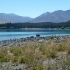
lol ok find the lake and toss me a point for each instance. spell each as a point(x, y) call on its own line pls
point(23, 33)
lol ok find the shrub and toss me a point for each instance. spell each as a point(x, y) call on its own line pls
point(16, 51)
point(69, 50)
point(5, 59)
point(68, 61)
point(2, 55)
point(21, 59)
point(38, 67)
point(51, 54)
point(15, 59)
point(61, 47)
point(26, 59)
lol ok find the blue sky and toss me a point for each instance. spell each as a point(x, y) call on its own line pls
point(33, 8)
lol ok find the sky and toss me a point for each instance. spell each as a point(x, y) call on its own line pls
point(32, 8)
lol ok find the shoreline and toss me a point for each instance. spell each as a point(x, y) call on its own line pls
point(37, 29)
point(21, 41)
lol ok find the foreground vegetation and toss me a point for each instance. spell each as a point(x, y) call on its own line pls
point(52, 54)
point(10, 25)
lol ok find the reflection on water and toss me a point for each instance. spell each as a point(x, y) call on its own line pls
point(11, 34)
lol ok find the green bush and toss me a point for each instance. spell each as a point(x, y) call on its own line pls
point(16, 51)
point(68, 61)
point(38, 67)
point(5, 59)
point(21, 59)
point(61, 47)
point(15, 59)
point(2, 55)
point(51, 54)
point(69, 50)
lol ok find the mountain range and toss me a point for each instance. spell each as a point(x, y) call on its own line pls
point(56, 16)
point(13, 18)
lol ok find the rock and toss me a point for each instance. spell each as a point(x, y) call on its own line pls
point(37, 35)
point(32, 37)
point(17, 68)
point(3, 65)
point(40, 41)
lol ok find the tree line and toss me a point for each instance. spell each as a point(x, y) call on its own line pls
point(10, 25)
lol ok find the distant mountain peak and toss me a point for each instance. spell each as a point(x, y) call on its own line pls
point(56, 16)
point(46, 13)
point(58, 11)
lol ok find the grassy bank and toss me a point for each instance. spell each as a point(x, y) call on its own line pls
point(50, 54)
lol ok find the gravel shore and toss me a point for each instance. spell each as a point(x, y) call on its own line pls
point(21, 41)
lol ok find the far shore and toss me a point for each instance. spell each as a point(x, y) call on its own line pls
point(35, 29)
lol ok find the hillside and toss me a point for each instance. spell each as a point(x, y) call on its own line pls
point(13, 18)
point(56, 16)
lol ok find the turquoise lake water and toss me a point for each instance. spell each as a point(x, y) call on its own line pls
point(19, 33)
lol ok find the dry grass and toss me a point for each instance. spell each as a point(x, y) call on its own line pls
point(33, 54)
